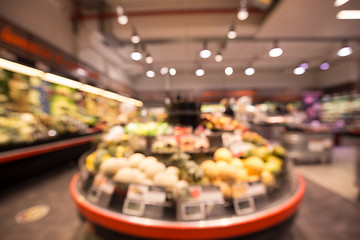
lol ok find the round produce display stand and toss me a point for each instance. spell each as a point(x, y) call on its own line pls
point(228, 227)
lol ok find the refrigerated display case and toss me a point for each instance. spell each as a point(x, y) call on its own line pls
point(199, 210)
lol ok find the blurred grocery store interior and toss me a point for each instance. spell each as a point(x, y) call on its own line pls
point(180, 119)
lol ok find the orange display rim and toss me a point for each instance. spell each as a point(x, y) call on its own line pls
point(157, 229)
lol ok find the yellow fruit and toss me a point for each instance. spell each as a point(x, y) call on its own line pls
point(267, 178)
point(226, 171)
point(89, 162)
point(241, 175)
point(236, 163)
point(223, 154)
point(254, 163)
point(210, 169)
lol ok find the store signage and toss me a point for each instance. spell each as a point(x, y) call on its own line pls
point(24, 43)
point(101, 191)
point(247, 195)
point(139, 197)
point(195, 202)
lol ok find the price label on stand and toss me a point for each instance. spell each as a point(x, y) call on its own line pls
point(139, 196)
point(193, 201)
point(101, 190)
point(256, 189)
point(244, 195)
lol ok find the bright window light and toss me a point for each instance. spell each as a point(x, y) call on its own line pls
point(299, 71)
point(339, 3)
point(249, 71)
point(348, 14)
point(164, 70)
point(150, 74)
point(275, 52)
point(172, 71)
point(123, 19)
point(136, 56)
point(229, 71)
point(345, 51)
point(200, 72)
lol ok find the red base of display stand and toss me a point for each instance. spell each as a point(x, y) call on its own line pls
point(206, 229)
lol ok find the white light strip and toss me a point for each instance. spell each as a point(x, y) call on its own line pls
point(49, 77)
point(19, 68)
point(91, 89)
point(348, 14)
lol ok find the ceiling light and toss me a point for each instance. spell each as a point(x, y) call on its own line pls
point(249, 71)
point(123, 19)
point(348, 14)
point(229, 71)
point(276, 51)
point(243, 13)
point(304, 65)
point(205, 53)
point(324, 66)
point(81, 72)
point(218, 57)
point(232, 33)
point(299, 71)
point(199, 72)
point(345, 50)
point(149, 59)
point(120, 10)
point(150, 73)
point(172, 71)
point(338, 3)
point(135, 38)
point(164, 70)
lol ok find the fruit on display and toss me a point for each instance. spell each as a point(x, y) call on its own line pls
point(261, 163)
point(254, 138)
point(164, 144)
point(224, 123)
point(147, 129)
point(223, 154)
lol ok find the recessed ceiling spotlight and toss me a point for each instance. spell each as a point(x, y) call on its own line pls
point(149, 59)
point(243, 13)
point(299, 71)
point(205, 53)
point(135, 38)
point(348, 14)
point(136, 55)
point(304, 65)
point(249, 71)
point(172, 71)
point(218, 57)
point(123, 19)
point(199, 72)
point(229, 71)
point(232, 33)
point(276, 51)
point(164, 70)
point(150, 73)
point(346, 50)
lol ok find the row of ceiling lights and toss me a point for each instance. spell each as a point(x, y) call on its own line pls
point(242, 15)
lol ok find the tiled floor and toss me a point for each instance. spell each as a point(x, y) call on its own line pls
point(325, 213)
